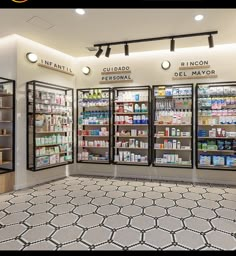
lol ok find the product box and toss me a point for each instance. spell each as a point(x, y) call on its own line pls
point(218, 160)
point(187, 134)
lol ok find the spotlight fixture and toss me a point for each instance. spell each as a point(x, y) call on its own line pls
point(86, 70)
point(126, 50)
point(172, 45)
point(171, 38)
point(80, 11)
point(107, 54)
point(99, 52)
point(32, 57)
point(199, 17)
point(210, 41)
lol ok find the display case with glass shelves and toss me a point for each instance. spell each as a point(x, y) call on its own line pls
point(7, 125)
point(94, 125)
point(216, 125)
point(50, 138)
point(131, 125)
point(173, 125)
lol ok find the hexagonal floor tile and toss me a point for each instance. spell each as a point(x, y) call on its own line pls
point(21, 199)
point(107, 247)
point(37, 233)
point(75, 246)
point(85, 209)
point(103, 182)
point(212, 196)
point(59, 193)
point(62, 208)
point(131, 210)
point(92, 188)
point(42, 187)
point(81, 200)
point(4, 205)
point(18, 207)
point(122, 201)
point(14, 218)
point(60, 200)
point(11, 232)
point(77, 193)
point(126, 188)
point(5, 197)
point(192, 196)
point(23, 192)
point(64, 219)
point(42, 192)
point(41, 199)
point(95, 194)
point(116, 221)
point(108, 188)
point(208, 204)
point(224, 225)
point(115, 194)
point(108, 210)
point(197, 190)
point(168, 184)
point(136, 183)
point(40, 208)
point(186, 203)
point(179, 212)
point(41, 246)
point(175, 248)
point(231, 190)
point(152, 194)
point(143, 202)
point(221, 240)
point(172, 195)
point(103, 200)
point(90, 220)
point(155, 211)
point(215, 190)
point(197, 224)
point(39, 219)
point(164, 202)
point(73, 182)
point(170, 223)
point(161, 189)
point(67, 234)
point(97, 235)
point(88, 182)
point(134, 194)
point(179, 190)
point(158, 238)
point(127, 237)
point(203, 213)
point(141, 247)
point(119, 183)
point(228, 204)
point(58, 187)
point(189, 239)
point(226, 213)
point(75, 187)
point(13, 245)
point(2, 214)
point(230, 197)
point(143, 222)
point(143, 189)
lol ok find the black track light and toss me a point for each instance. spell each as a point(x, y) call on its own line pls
point(172, 45)
point(210, 41)
point(99, 52)
point(107, 54)
point(126, 50)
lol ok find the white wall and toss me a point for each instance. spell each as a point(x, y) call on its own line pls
point(146, 70)
point(27, 71)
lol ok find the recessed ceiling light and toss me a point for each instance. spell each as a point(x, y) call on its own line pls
point(199, 17)
point(32, 57)
point(80, 11)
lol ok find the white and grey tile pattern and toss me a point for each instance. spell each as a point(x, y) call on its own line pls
point(94, 213)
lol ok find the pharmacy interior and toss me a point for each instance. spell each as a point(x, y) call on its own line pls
point(129, 117)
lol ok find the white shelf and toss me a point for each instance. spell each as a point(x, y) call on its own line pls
point(94, 161)
point(52, 145)
point(131, 163)
point(172, 149)
point(225, 138)
point(42, 132)
point(223, 151)
point(131, 113)
point(217, 166)
point(94, 124)
point(131, 124)
point(91, 147)
point(174, 137)
point(59, 153)
point(172, 124)
point(1, 149)
point(93, 135)
point(125, 136)
point(130, 148)
point(132, 101)
point(216, 124)
point(173, 165)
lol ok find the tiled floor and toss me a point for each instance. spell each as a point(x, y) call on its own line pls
point(85, 213)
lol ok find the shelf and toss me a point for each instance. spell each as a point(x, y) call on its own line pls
point(174, 137)
point(131, 124)
point(5, 95)
point(172, 124)
point(6, 135)
point(125, 136)
point(130, 148)
point(94, 124)
point(52, 145)
point(5, 162)
point(172, 149)
point(174, 96)
point(217, 138)
point(50, 104)
point(91, 147)
point(217, 166)
point(93, 161)
point(131, 113)
point(92, 100)
point(49, 113)
point(173, 165)
point(1, 121)
point(132, 101)
point(1, 149)
point(93, 135)
point(6, 108)
point(42, 132)
point(60, 153)
point(216, 124)
point(132, 163)
point(223, 151)
point(52, 165)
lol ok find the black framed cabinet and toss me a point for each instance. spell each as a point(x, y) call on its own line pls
point(50, 126)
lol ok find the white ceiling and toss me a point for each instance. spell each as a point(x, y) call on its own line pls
point(71, 33)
